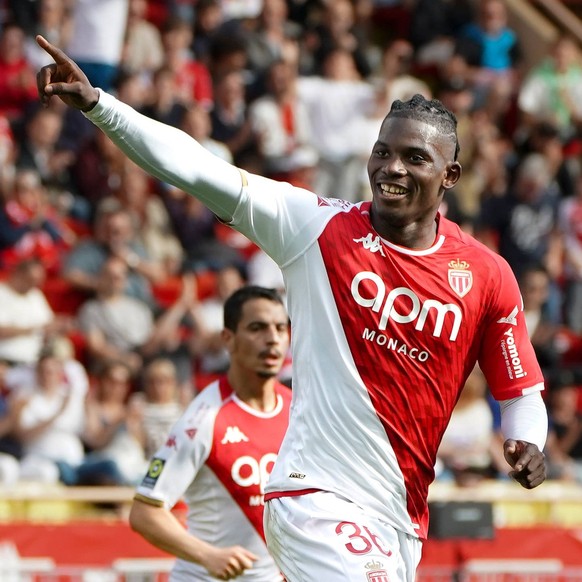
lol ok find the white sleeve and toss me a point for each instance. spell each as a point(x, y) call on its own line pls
point(170, 155)
point(525, 418)
point(175, 465)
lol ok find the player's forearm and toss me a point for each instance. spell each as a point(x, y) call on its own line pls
point(526, 419)
point(170, 155)
point(159, 527)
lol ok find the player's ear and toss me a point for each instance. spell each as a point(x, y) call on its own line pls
point(227, 337)
point(453, 173)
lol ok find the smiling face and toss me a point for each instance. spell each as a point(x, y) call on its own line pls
point(410, 167)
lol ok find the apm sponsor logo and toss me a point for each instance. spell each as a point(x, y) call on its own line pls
point(412, 310)
point(246, 471)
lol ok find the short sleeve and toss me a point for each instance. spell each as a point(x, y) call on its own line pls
point(506, 356)
point(175, 465)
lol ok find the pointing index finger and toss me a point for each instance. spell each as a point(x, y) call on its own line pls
point(56, 53)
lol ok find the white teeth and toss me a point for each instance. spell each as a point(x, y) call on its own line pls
point(393, 189)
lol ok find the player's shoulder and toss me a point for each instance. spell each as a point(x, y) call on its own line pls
point(210, 398)
point(482, 257)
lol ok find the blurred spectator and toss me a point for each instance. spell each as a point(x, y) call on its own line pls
point(49, 425)
point(53, 21)
point(275, 39)
point(227, 52)
point(112, 428)
point(230, 117)
point(165, 104)
point(10, 449)
point(30, 226)
point(571, 230)
point(17, 77)
point(492, 49)
point(132, 88)
point(434, 26)
point(40, 148)
point(8, 154)
point(564, 447)
point(337, 31)
point(24, 14)
point(240, 9)
point(191, 77)
point(122, 328)
point(209, 21)
point(281, 121)
point(521, 224)
point(195, 226)
point(114, 236)
point(197, 123)
point(552, 91)
point(151, 221)
point(396, 80)
point(143, 51)
point(96, 43)
point(158, 406)
point(206, 344)
point(534, 285)
point(544, 138)
point(337, 130)
point(26, 318)
point(467, 452)
point(97, 168)
point(263, 271)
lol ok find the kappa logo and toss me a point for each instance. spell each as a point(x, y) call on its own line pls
point(374, 245)
point(234, 435)
point(334, 202)
point(191, 432)
point(511, 319)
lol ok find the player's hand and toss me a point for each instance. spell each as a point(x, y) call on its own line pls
point(65, 79)
point(228, 563)
point(528, 462)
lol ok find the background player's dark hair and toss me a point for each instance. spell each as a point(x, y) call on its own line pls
point(233, 306)
point(428, 111)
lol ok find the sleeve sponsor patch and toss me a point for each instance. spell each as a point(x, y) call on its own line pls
point(153, 472)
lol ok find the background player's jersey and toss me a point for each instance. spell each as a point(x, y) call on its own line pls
point(218, 457)
point(383, 336)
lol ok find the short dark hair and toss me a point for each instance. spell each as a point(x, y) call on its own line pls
point(233, 306)
point(430, 111)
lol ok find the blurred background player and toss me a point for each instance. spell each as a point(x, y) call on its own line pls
point(220, 453)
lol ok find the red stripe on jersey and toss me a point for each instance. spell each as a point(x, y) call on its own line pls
point(244, 449)
point(403, 354)
point(295, 493)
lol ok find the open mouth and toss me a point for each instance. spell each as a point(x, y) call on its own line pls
point(393, 192)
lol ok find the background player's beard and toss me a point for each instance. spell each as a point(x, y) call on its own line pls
point(265, 374)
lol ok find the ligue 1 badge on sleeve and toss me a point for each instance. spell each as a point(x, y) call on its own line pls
point(376, 572)
point(460, 277)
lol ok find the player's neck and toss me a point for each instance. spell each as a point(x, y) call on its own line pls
point(256, 392)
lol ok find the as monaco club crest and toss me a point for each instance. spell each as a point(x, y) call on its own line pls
point(376, 572)
point(460, 278)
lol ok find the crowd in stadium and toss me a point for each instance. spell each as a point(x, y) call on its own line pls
point(112, 284)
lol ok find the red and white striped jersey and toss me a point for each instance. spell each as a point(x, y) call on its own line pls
point(383, 336)
point(383, 340)
point(218, 457)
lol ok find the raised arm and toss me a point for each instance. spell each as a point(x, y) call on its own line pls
point(163, 151)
